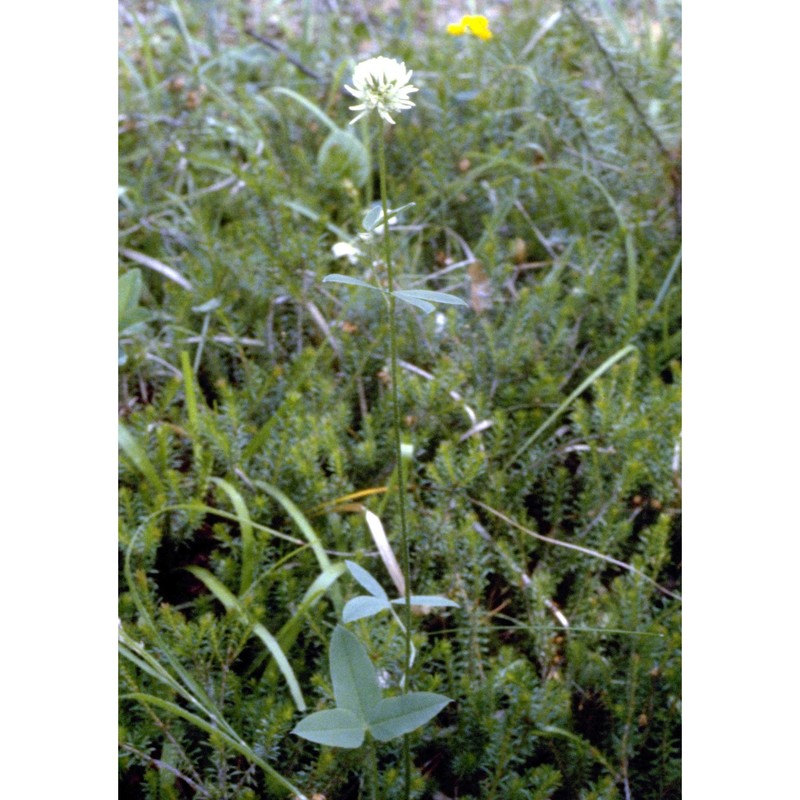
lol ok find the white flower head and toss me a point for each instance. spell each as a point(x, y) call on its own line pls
point(383, 84)
point(346, 250)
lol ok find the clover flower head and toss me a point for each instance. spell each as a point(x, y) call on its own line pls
point(382, 84)
point(346, 250)
point(476, 24)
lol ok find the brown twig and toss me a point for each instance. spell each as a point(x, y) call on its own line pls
point(163, 765)
point(672, 161)
point(290, 57)
point(585, 550)
point(618, 80)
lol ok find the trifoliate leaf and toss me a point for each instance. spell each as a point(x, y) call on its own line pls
point(395, 716)
point(336, 727)
point(355, 682)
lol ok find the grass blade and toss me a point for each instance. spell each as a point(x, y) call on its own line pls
point(306, 212)
point(135, 452)
point(309, 106)
point(299, 519)
point(662, 292)
point(233, 741)
point(157, 266)
point(146, 663)
point(288, 633)
point(601, 370)
point(221, 592)
point(248, 539)
point(191, 406)
point(194, 692)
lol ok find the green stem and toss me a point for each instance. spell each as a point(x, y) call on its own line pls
point(401, 481)
point(201, 343)
point(373, 770)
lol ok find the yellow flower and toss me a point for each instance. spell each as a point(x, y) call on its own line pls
point(476, 24)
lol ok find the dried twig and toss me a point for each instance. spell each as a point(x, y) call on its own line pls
point(163, 765)
point(322, 324)
point(618, 80)
point(477, 427)
point(290, 57)
point(157, 266)
point(585, 550)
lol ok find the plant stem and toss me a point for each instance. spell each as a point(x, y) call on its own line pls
point(401, 481)
point(373, 770)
